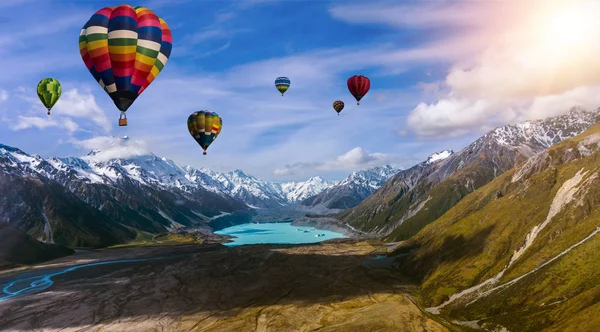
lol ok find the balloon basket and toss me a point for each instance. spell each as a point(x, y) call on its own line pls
point(48, 112)
point(204, 153)
point(122, 120)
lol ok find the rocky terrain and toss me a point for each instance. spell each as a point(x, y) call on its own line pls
point(213, 288)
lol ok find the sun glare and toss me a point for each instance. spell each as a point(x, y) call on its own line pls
point(567, 28)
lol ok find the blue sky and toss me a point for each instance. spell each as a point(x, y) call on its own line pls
point(442, 73)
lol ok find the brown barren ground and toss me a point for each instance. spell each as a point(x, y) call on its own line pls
point(320, 287)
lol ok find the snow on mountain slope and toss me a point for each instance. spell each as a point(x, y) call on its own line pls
point(298, 191)
point(439, 156)
point(352, 190)
point(415, 197)
point(146, 168)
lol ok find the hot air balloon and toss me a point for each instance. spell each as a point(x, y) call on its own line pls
point(282, 84)
point(338, 106)
point(125, 48)
point(204, 126)
point(49, 90)
point(359, 86)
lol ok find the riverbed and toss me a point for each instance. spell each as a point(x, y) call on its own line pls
point(214, 288)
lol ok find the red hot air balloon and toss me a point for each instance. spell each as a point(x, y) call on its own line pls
point(359, 85)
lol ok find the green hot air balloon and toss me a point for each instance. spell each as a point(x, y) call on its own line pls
point(49, 91)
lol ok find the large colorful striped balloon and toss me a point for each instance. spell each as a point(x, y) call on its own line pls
point(282, 84)
point(359, 85)
point(338, 106)
point(125, 48)
point(204, 126)
point(49, 90)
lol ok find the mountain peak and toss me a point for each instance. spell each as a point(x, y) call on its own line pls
point(439, 156)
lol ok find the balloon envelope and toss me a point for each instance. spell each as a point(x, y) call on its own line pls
point(125, 48)
point(49, 90)
point(359, 85)
point(282, 84)
point(338, 106)
point(204, 126)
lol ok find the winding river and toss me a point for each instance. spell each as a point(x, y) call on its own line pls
point(39, 283)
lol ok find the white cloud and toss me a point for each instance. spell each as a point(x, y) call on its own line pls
point(110, 147)
point(530, 69)
point(26, 122)
point(356, 158)
point(3, 95)
point(431, 14)
point(215, 51)
point(75, 104)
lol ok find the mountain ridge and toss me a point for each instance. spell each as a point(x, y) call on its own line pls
point(417, 196)
point(520, 252)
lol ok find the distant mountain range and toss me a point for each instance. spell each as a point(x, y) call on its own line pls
point(351, 191)
point(415, 197)
point(97, 201)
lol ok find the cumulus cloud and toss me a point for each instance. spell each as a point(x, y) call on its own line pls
point(26, 122)
point(76, 104)
point(537, 67)
point(356, 158)
point(110, 147)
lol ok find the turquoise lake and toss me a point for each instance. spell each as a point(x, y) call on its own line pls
point(277, 233)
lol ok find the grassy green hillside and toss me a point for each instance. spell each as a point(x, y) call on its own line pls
point(555, 281)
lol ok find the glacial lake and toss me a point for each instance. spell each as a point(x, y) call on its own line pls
point(276, 233)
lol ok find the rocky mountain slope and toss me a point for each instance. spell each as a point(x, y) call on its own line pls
point(16, 247)
point(99, 199)
point(256, 192)
point(84, 202)
point(417, 196)
point(352, 190)
point(521, 252)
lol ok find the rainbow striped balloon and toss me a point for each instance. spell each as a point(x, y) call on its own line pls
point(125, 48)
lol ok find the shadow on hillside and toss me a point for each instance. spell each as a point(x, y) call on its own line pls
point(418, 261)
point(222, 281)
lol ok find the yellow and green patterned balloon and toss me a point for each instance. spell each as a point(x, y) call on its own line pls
point(49, 91)
point(204, 126)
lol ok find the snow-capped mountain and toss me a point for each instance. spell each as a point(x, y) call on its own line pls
point(352, 190)
point(120, 197)
point(149, 169)
point(415, 197)
point(438, 156)
point(92, 202)
point(299, 191)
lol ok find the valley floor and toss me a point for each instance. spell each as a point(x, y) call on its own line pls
point(321, 287)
